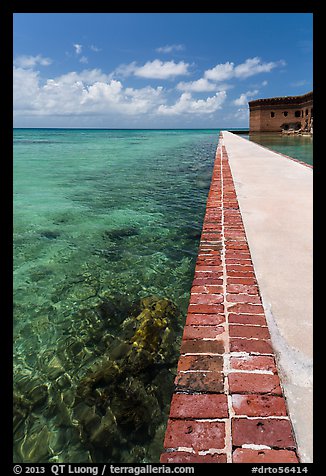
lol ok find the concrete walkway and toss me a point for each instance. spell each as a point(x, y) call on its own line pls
point(275, 200)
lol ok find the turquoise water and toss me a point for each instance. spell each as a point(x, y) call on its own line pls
point(106, 229)
point(296, 146)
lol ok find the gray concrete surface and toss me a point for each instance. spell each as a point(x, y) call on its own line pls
point(275, 199)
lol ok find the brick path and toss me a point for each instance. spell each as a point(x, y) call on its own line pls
point(228, 405)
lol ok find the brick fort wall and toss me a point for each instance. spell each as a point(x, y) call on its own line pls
point(276, 114)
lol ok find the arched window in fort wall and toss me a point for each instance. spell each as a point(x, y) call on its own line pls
point(272, 114)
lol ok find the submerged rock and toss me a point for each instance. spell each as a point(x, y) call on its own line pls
point(122, 398)
point(121, 233)
point(55, 368)
point(29, 395)
point(35, 447)
point(50, 234)
point(105, 387)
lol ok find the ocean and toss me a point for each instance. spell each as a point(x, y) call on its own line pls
point(106, 230)
point(295, 146)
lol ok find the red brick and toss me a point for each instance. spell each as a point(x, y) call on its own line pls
point(193, 434)
point(241, 280)
point(242, 288)
point(206, 298)
point(254, 383)
point(215, 212)
point(202, 347)
point(232, 213)
point(240, 274)
point(256, 332)
point(208, 275)
point(185, 457)
point(209, 247)
point(200, 269)
point(208, 382)
point(250, 345)
point(234, 226)
point(212, 218)
point(229, 221)
point(244, 298)
point(237, 254)
point(258, 405)
point(205, 308)
point(201, 362)
point(270, 432)
point(209, 236)
point(253, 362)
point(216, 231)
point(240, 267)
point(235, 245)
point(202, 332)
point(199, 406)
point(209, 289)
point(212, 226)
point(205, 319)
point(203, 252)
point(246, 309)
point(209, 261)
point(238, 261)
point(216, 255)
point(203, 281)
point(246, 455)
point(253, 319)
point(234, 234)
point(233, 221)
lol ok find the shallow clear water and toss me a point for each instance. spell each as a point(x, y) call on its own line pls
point(296, 146)
point(102, 219)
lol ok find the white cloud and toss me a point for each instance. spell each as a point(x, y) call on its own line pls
point(125, 70)
point(88, 92)
point(25, 61)
point(162, 70)
point(87, 76)
point(201, 85)
point(220, 72)
point(78, 48)
point(26, 88)
point(250, 67)
point(254, 66)
point(83, 60)
point(243, 99)
point(187, 105)
point(170, 48)
point(155, 69)
point(95, 48)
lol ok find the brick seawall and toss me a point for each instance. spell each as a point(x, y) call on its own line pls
point(228, 404)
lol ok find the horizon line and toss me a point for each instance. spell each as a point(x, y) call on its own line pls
point(133, 128)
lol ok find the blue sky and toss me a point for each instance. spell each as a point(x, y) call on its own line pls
point(155, 70)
